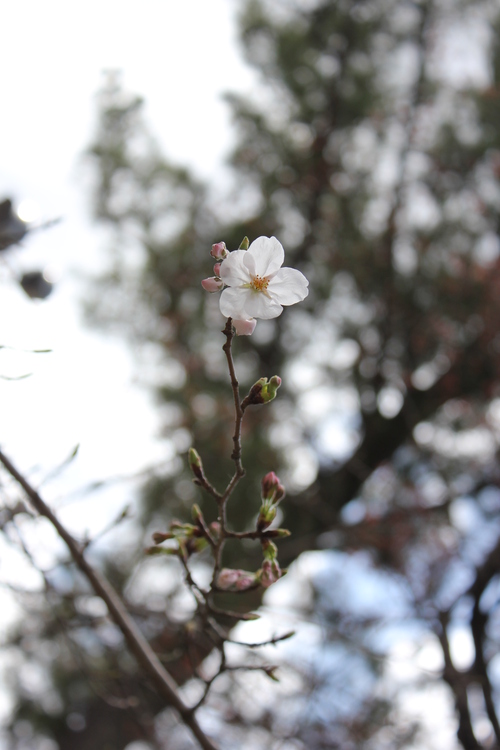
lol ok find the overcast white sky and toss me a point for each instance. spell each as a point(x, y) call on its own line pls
point(180, 57)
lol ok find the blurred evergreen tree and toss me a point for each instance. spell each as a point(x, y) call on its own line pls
point(373, 154)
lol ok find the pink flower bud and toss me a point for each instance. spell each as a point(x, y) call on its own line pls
point(217, 269)
point(235, 580)
point(219, 250)
point(270, 573)
point(212, 284)
point(244, 327)
point(272, 489)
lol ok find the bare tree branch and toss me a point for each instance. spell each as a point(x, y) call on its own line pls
point(137, 643)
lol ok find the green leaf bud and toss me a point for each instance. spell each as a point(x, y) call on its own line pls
point(196, 466)
point(276, 533)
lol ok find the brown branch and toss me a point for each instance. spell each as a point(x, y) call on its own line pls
point(137, 643)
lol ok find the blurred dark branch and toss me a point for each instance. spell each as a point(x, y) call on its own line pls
point(318, 507)
point(479, 672)
point(485, 572)
point(138, 645)
point(478, 624)
point(64, 626)
point(458, 682)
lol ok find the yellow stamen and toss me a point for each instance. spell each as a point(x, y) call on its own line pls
point(260, 283)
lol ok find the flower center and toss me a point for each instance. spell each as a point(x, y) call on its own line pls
point(260, 283)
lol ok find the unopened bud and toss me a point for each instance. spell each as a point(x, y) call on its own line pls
point(269, 391)
point(195, 459)
point(217, 268)
point(244, 327)
point(199, 519)
point(212, 284)
point(159, 537)
point(254, 394)
point(276, 533)
point(263, 391)
point(272, 489)
point(197, 514)
point(219, 251)
point(196, 466)
point(184, 530)
point(244, 244)
point(235, 580)
point(270, 573)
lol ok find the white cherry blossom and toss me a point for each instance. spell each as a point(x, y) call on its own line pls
point(256, 285)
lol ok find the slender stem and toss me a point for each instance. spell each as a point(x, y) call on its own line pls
point(137, 643)
point(238, 411)
point(236, 454)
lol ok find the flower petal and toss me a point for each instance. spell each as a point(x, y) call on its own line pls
point(259, 305)
point(288, 286)
point(232, 302)
point(268, 254)
point(233, 272)
point(249, 262)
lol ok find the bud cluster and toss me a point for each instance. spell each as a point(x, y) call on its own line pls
point(272, 489)
point(241, 276)
point(215, 283)
point(212, 284)
point(189, 538)
point(236, 580)
point(270, 571)
point(272, 492)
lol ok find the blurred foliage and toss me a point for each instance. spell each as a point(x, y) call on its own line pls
point(372, 151)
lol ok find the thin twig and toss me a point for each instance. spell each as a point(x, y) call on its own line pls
point(137, 643)
point(238, 411)
point(236, 454)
